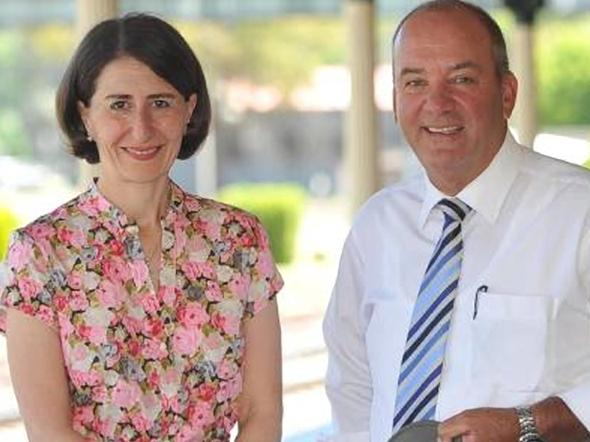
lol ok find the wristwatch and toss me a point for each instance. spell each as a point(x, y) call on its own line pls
point(528, 428)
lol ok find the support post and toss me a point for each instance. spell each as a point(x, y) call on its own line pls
point(360, 150)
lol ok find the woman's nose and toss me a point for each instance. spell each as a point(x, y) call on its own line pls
point(141, 125)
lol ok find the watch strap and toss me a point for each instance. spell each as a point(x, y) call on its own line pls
point(528, 427)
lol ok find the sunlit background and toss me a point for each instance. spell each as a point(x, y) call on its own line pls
point(278, 72)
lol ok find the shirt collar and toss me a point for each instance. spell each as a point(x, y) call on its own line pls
point(486, 193)
point(108, 211)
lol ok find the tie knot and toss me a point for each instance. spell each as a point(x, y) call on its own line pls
point(454, 208)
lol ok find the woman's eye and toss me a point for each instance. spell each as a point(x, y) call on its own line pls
point(118, 105)
point(161, 103)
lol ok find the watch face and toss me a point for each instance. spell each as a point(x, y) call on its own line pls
point(423, 431)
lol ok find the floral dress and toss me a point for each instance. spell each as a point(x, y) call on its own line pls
point(145, 366)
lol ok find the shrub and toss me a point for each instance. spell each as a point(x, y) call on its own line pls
point(8, 222)
point(279, 208)
point(564, 72)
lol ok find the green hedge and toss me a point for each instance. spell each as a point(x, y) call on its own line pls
point(278, 206)
point(562, 54)
point(8, 222)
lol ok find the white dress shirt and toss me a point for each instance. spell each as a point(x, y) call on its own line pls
point(527, 239)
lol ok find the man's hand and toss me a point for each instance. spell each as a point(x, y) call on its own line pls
point(481, 425)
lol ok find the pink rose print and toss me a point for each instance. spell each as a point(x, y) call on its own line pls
point(150, 303)
point(194, 270)
point(139, 273)
point(185, 341)
point(153, 327)
point(116, 270)
point(100, 393)
point(153, 349)
point(20, 254)
point(75, 281)
point(78, 301)
point(28, 288)
point(83, 415)
point(229, 389)
point(168, 295)
point(140, 422)
point(125, 394)
point(206, 392)
point(110, 295)
point(97, 335)
point(132, 324)
point(213, 291)
point(192, 315)
point(239, 286)
point(46, 314)
point(188, 434)
point(227, 369)
point(39, 231)
point(228, 323)
point(201, 414)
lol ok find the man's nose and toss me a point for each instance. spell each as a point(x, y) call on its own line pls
point(440, 98)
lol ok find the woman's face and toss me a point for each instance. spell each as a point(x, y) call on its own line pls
point(137, 120)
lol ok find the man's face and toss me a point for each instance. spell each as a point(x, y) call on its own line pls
point(449, 100)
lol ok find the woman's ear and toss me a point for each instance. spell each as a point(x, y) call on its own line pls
point(192, 104)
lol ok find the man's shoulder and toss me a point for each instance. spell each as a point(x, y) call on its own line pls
point(391, 201)
point(551, 171)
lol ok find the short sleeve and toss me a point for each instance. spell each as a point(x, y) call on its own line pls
point(27, 282)
point(265, 279)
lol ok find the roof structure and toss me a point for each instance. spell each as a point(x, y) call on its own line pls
point(39, 11)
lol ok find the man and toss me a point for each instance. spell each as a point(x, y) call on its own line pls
point(485, 326)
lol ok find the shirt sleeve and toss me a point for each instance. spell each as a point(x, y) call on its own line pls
point(348, 380)
point(265, 279)
point(576, 398)
point(28, 281)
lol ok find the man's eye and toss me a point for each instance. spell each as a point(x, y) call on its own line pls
point(464, 79)
point(415, 83)
point(119, 104)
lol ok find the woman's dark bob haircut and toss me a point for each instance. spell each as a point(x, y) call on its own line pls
point(149, 40)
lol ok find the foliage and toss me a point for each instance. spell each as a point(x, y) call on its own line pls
point(278, 206)
point(563, 50)
point(12, 133)
point(8, 222)
point(282, 51)
point(53, 42)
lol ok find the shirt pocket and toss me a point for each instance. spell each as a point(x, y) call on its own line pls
point(510, 338)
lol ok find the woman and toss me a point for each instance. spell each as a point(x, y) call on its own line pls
point(137, 311)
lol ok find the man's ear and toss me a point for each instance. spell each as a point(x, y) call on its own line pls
point(509, 93)
point(393, 97)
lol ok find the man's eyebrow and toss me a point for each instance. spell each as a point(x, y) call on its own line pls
point(465, 65)
point(410, 71)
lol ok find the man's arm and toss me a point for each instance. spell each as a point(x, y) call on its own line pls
point(555, 422)
point(348, 380)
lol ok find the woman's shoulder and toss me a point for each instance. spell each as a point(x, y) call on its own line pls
point(200, 208)
point(48, 222)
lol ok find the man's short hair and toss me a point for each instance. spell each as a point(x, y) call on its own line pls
point(499, 51)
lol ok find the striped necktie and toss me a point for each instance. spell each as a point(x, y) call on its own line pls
point(422, 361)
